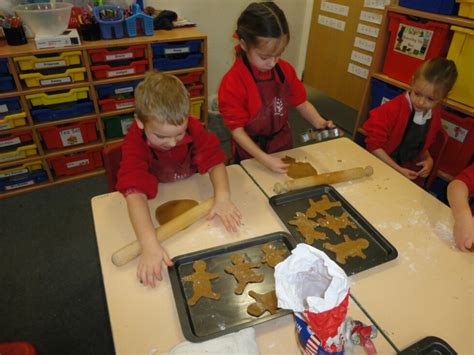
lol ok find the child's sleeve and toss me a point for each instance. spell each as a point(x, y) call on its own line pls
point(467, 177)
point(297, 89)
point(207, 150)
point(233, 102)
point(378, 127)
point(134, 167)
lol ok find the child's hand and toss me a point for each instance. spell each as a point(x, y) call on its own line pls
point(228, 213)
point(412, 175)
point(325, 124)
point(275, 164)
point(149, 265)
point(426, 166)
point(463, 233)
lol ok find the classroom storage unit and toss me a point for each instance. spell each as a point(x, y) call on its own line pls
point(60, 107)
point(466, 8)
point(382, 92)
point(445, 7)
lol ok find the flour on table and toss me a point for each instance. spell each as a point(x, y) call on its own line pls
point(443, 231)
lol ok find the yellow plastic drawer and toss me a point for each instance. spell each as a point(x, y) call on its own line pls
point(466, 8)
point(461, 51)
point(19, 153)
point(12, 121)
point(196, 108)
point(52, 99)
point(65, 59)
point(69, 76)
point(21, 169)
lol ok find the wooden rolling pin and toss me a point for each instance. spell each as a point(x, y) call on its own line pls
point(132, 250)
point(329, 178)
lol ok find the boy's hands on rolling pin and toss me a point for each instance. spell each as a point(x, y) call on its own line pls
point(227, 212)
point(275, 164)
point(149, 265)
point(426, 166)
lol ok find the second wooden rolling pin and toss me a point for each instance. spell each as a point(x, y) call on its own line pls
point(328, 178)
point(132, 250)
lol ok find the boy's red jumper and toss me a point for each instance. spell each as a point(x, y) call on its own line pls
point(198, 151)
point(467, 177)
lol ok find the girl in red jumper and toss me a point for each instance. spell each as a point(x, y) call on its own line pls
point(164, 144)
point(256, 93)
point(401, 131)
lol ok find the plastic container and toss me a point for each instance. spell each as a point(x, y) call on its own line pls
point(117, 126)
point(181, 62)
point(139, 19)
point(179, 47)
point(20, 169)
point(190, 78)
point(12, 121)
point(196, 108)
point(104, 55)
point(460, 148)
point(6, 83)
point(64, 59)
point(413, 41)
point(17, 182)
point(107, 90)
point(9, 105)
point(71, 75)
point(19, 153)
point(445, 7)
point(69, 135)
point(76, 163)
point(195, 90)
point(108, 71)
point(110, 20)
point(11, 140)
point(461, 52)
point(3, 66)
point(59, 98)
point(112, 104)
point(62, 112)
point(466, 8)
point(45, 20)
point(382, 92)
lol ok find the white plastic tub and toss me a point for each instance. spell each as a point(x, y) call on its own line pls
point(45, 19)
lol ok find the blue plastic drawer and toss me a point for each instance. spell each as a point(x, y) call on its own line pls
point(382, 92)
point(445, 7)
point(23, 180)
point(9, 105)
point(182, 47)
point(191, 60)
point(52, 114)
point(6, 83)
point(108, 90)
point(4, 66)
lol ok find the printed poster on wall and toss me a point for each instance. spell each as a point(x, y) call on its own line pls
point(413, 41)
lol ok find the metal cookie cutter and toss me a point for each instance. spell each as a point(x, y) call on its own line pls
point(319, 135)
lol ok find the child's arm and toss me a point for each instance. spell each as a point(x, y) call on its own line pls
point(463, 230)
point(149, 265)
point(426, 164)
point(382, 155)
point(273, 163)
point(310, 114)
point(223, 206)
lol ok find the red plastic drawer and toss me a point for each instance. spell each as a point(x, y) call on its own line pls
point(109, 55)
point(195, 90)
point(114, 104)
point(76, 163)
point(16, 138)
point(69, 135)
point(460, 148)
point(190, 78)
point(108, 71)
point(411, 43)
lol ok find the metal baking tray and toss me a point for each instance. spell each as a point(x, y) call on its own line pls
point(208, 318)
point(429, 346)
point(379, 250)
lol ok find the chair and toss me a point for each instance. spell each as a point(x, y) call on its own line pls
point(436, 150)
point(112, 155)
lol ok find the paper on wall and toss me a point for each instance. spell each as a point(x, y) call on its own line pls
point(376, 4)
point(335, 8)
point(358, 71)
point(361, 58)
point(332, 22)
point(364, 44)
point(368, 30)
point(371, 17)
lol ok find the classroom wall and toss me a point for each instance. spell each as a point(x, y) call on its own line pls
point(218, 18)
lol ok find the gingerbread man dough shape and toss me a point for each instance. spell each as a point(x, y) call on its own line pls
point(273, 255)
point(348, 248)
point(320, 206)
point(306, 227)
point(264, 302)
point(298, 169)
point(201, 280)
point(336, 223)
point(243, 272)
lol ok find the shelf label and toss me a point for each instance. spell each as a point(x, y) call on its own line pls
point(10, 142)
point(123, 90)
point(119, 56)
point(376, 4)
point(454, 131)
point(20, 184)
point(332, 22)
point(335, 8)
point(114, 73)
point(364, 44)
point(3, 108)
point(177, 50)
point(77, 163)
point(57, 63)
point(126, 123)
point(14, 173)
point(4, 126)
point(71, 136)
point(56, 81)
point(361, 58)
point(124, 105)
point(358, 71)
point(413, 41)
point(371, 17)
point(19, 155)
point(368, 30)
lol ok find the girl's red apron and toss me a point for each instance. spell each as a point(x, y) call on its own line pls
point(269, 128)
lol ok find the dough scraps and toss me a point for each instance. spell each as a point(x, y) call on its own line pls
point(320, 206)
point(264, 302)
point(306, 227)
point(298, 170)
point(171, 209)
point(348, 248)
point(273, 255)
point(201, 280)
point(243, 272)
point(336, 223)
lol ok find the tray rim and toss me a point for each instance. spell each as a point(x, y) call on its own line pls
point(424, 343)
point(224, 248)
point(392, 253)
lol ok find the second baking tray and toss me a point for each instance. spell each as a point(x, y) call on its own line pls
point(379, 250)
point(209, 318)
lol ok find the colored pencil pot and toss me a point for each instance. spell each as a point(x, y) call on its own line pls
point(111, 21)
point(15, 36)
